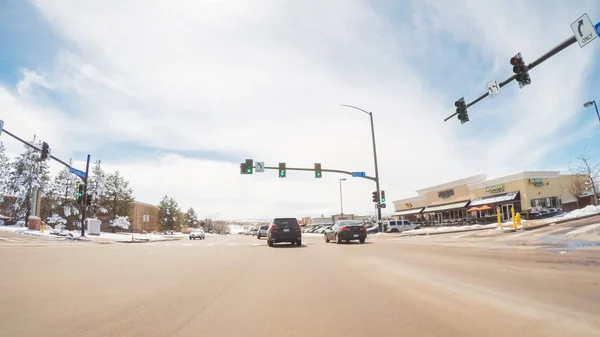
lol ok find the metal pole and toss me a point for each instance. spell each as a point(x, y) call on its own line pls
point(597, 113)
point(341, 199)
point(374, 160)
point(85, 183)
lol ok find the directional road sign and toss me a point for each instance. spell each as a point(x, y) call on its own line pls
point(584, 30)
point(77, 172)
point(493, 88)
point(358, 174)
point(597, 28)
point(260, 167)
point(1, 126)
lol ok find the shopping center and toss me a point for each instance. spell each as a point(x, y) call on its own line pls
point(477, 197)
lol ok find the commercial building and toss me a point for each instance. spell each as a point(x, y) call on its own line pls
point(144, 218)
point(477, 197)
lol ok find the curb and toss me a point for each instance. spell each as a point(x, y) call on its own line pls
point(147, 240)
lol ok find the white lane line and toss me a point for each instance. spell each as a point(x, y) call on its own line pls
point(525, 232)
point(9, 240)
point(557, 230)
point(218, 243)
point(584, 229)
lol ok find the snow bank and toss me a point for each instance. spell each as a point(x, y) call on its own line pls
point(578, 213)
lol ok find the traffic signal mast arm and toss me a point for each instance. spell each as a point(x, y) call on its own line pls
point(35, 147)
point(313, 170)
point(566, 43)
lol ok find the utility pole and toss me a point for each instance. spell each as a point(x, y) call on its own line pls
point(341, 198)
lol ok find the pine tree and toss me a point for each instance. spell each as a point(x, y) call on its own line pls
point(4, 170)
point(191, 218)
point(28, 173)
point(97, 189)
point(169, 214)
point(64, 194)
point(118, 196)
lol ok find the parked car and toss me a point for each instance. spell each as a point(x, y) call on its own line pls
point(346, 230)
point(197, 235)
point(254, 231)
point(262, 231)
point(284, 230)
point(400, 226)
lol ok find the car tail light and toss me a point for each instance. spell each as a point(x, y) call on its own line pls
point(274, 227)
point(296, 229)
point(364, 228)
point(345, 229)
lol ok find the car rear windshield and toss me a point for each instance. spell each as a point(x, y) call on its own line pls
point(264, 227)
point(286, 222)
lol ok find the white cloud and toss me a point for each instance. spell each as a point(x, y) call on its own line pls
point(265, 81)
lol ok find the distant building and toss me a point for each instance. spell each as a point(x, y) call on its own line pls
point(144, 217)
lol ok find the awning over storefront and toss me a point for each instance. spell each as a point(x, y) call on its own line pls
point(446, 207)
point(409, 211)
point(493, 199)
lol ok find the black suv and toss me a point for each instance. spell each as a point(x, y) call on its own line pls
point(284, 230)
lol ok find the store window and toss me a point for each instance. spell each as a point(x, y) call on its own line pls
point(552, 202)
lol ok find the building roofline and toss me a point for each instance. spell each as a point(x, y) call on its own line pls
point(417, 198)
point(513, 177)
point(144, 203)
point(455, 183)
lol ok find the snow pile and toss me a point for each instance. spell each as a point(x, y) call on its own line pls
point(431, 230)
point(587, 210)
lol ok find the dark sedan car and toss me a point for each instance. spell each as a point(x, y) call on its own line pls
point(284, 230)
point(346, 230)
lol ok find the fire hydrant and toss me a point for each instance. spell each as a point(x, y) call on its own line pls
point(517, 221)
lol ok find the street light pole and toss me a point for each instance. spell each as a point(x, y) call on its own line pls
point(374, 160)
point(341, 199)
point(589, 104)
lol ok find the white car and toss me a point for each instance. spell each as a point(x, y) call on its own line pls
point(400, 226)
point(262, 231)
point(197, 235)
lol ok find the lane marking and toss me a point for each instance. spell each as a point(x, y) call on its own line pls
point(584, 229)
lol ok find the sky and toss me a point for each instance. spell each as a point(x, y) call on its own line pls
point(175, 95)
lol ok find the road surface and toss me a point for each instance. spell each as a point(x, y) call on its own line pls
point(237, 286)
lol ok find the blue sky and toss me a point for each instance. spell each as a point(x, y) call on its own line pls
point(189, 90)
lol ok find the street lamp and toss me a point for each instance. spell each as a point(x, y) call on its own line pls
point(341, 199)
point(589, 104)
point(374, 158)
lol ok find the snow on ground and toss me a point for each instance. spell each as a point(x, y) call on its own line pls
point(104, 236)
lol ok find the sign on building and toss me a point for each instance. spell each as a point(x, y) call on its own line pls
point(408, 205)
point(495, 188)
point(536, 181)
point(446, 194)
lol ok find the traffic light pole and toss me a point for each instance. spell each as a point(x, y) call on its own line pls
point(84, 206)
point(563, 45)
point(374, 160)
point(34, 147)
point(313, 170)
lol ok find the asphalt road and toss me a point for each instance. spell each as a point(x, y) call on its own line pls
point(237, 286)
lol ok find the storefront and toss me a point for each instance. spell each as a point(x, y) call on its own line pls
point(478, 198)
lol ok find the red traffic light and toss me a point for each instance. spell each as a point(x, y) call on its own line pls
point(514, 61)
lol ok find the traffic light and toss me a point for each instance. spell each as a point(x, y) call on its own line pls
point(88, 200)
point(461, 110)
point(282, 170)
point(521, 70)
point(375, 197)
point(45, 151)
point(80, 195)
point(382, 196)
point(249, 166)
point(318, 173)
point(243, 168)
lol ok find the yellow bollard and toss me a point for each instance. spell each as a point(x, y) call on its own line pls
point(512, 213)
point(499, 217)
point(42, 227)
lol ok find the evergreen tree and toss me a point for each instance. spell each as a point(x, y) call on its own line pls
point(118, 197)
point(97, 189)
point(28, 173)
point(191, 218)
point(169, 214)
point(4, 170)
point(64, 194)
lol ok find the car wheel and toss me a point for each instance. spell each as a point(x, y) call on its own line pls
point(299, 243)
point(190, 238)
point(338, 240)
point(361, 240)
point(270, 243)
point(326, 238)
point(258, 237)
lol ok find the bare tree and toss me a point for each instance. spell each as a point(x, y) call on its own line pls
point(590, 168)
point(576, 186)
